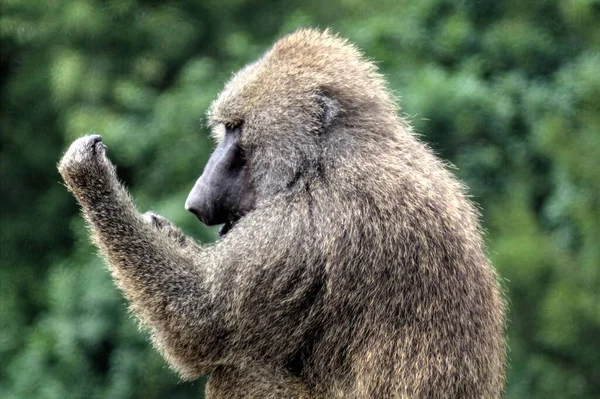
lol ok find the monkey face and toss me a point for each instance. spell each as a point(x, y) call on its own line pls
point(224, 192)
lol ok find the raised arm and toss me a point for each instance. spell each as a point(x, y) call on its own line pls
point(166, 288)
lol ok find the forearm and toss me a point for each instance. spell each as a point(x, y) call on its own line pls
point(166, 286)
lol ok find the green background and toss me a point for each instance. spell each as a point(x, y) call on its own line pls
point(508, 91)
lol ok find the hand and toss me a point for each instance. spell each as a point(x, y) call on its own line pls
point(157, 221)
point(85, 165)
point(168, 228)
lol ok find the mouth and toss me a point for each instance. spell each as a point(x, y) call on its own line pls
point(227, 227)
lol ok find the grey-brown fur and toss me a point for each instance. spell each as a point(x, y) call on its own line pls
point(360, 274)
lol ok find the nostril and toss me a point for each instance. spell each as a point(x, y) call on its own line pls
point(202, 203)
point(190, 207)
point(96, 138)
point(203, 212)
point(197, 213)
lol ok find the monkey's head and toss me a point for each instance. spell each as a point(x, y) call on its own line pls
point(281, 123)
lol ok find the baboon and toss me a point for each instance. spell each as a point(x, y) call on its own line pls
point(351, 263)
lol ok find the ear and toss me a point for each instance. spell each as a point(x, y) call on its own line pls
point(329, 109)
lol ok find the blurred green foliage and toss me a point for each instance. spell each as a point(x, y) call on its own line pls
point(509, 91)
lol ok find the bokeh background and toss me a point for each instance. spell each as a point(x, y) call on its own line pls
point(508, 91)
